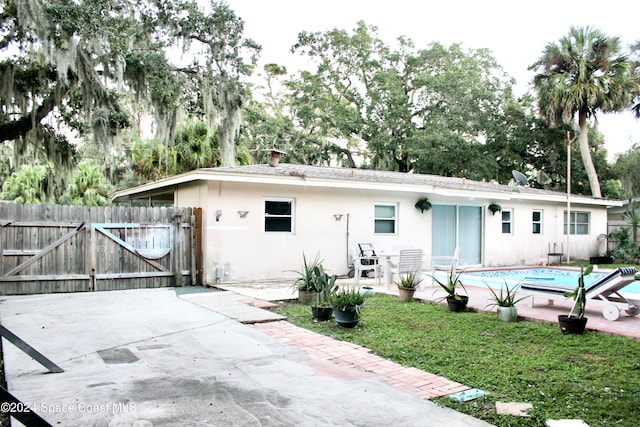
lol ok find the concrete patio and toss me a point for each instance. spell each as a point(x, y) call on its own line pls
point(197, 356)
point(152, 357)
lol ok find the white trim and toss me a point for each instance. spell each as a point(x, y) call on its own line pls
point(567, 225)
point(192, 176)
point(541, 222)
point(265, 216)
point(156, 187)
point(394, 219)
point(510, 222)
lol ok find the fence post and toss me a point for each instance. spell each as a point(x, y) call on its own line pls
point(92, 258)
point(198, 239)
point(192, 250)
point(176, 251)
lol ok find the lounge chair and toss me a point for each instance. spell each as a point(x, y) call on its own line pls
point(604, 291)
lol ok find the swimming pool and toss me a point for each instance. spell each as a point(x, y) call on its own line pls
point(512, 276)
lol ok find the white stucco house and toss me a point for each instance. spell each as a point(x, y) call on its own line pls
point(258, 220)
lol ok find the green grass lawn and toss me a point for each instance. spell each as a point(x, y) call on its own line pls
point(594, 377)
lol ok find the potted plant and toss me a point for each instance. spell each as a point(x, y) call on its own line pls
point(305, 283)
point(506, 302)
point(324, 286)
point(346, 303)
point(494, 207)
point(367, 291)
point(455, 301)
point(575, 322)
point(407, 286)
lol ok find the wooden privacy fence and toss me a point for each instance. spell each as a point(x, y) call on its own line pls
point(57, 248)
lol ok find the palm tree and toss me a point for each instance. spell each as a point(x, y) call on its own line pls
point(26, 184)
point(89, 188)
point(196, 146)
point(635, 64)
point(584, 73)
point(632, 218)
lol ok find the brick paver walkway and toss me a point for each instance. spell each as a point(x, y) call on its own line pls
point(422, 383)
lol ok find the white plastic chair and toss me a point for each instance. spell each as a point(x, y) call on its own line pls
point(365, 259)
point(409, 261)
point(444, 263)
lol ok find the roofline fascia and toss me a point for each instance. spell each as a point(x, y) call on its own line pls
point(203, 175)
point(152, 186)
point(517, 196)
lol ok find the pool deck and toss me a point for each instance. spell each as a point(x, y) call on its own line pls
point(541, 312)
point(479, 298)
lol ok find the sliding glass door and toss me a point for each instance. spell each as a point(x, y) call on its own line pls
point(470, 235)
point(457, 226)
point(444, 226)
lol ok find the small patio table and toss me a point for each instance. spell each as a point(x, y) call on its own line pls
point(387, 257)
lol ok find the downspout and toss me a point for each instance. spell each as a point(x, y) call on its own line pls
point(348, 266)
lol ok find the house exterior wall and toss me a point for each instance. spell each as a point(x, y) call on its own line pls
point(523, 247)
point(238, 249)
point(246, 252)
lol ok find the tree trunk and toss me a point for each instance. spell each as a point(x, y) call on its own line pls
point(230, 102)
point(585, 152)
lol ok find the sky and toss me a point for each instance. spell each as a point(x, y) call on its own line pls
point(515, 32)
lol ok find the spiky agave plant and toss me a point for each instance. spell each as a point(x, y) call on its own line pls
point(579, 295)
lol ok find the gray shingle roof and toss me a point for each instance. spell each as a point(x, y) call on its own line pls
point(373, 176)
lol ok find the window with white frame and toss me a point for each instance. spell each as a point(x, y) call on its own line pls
point(536, 222)
point(579, 223)
point(507, 221)
point(278, 215)
point(385, 218)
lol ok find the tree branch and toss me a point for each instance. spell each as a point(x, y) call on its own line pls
point(17, 128)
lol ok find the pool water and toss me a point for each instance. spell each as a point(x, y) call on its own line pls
point(558, 276)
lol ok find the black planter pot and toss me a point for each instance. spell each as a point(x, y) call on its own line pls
point(572, 324)
point(321, 313)
point(601, 260)
point(457, 304)
point(347, 318)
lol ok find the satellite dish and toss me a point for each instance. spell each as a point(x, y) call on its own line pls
point(520, 178)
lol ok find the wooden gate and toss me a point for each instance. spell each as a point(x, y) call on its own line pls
point(56, 248)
